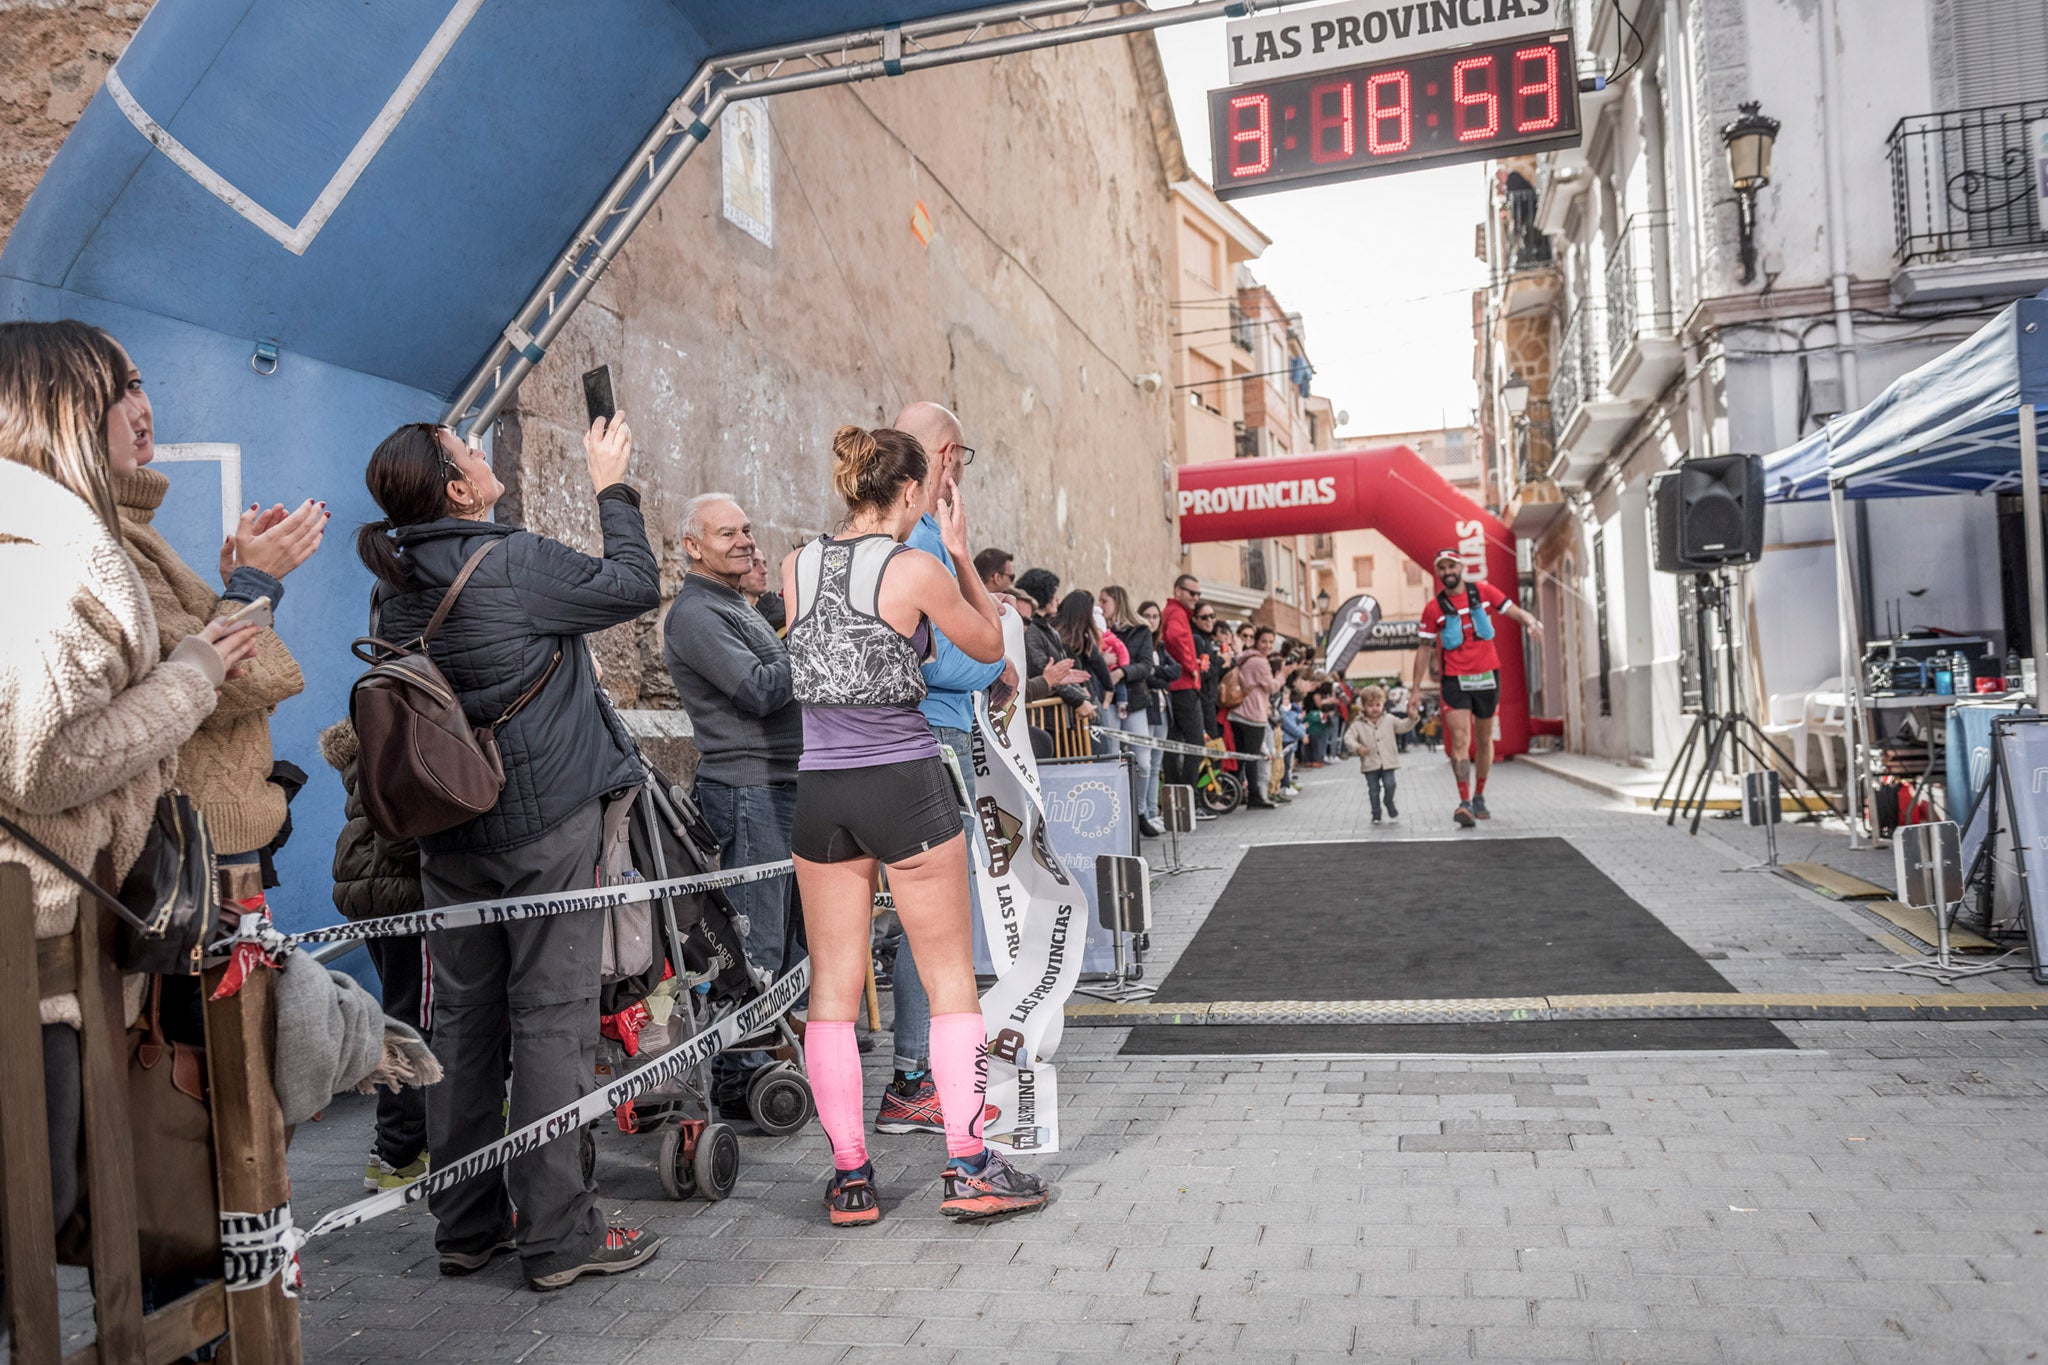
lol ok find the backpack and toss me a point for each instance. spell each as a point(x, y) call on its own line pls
point(1230, 689)
point(421, 767)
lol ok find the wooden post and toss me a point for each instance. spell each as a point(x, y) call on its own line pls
point(249, 1154)
point(27, 1236)
point(110, 1143)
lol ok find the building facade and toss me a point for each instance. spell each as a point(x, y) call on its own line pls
point(1636, 323)
point(1242, 391)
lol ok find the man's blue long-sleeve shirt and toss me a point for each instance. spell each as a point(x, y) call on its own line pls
point(951, 678)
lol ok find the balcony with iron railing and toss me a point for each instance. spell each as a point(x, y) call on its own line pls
point(1588, 416)
point(1247, 442)
point(1966, 204)
point(1534, 501)
point(1642, 346)
point(1242, 330)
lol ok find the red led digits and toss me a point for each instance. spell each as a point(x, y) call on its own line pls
point(1261, 133)
point(1543, 90)
point(1468, 99)
point(1378, 114)
point(1330, 110)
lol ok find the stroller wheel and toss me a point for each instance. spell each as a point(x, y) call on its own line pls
point(780, 1099)
point(587, 1155)
point(678, 1174)
point(718, 1161)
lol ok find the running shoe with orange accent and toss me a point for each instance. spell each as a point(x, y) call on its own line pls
point(913, 1110)
point(995, 1189)
point(1479, 807)
point(851, 1198)
point(1463, 815)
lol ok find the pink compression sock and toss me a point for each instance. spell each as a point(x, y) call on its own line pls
point(960, 1070)
point(832, 1061)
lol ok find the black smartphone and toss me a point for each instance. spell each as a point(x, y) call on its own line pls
point(597, 394)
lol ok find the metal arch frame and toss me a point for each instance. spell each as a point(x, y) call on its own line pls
point(865, 54)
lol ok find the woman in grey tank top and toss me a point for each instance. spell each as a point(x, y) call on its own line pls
point(872, 790)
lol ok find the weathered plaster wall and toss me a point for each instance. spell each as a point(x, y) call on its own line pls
point(1042, 293)
point(53, 56)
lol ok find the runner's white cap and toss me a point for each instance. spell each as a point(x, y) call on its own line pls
point(1442, 555)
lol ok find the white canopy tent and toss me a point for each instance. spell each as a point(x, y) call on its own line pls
point(1965, 422)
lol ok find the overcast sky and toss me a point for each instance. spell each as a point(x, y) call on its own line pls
point(1381, 270)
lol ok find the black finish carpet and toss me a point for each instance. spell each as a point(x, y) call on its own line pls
point(1435, 920)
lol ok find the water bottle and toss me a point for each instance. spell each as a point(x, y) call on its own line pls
point(1960, 668)
point(1944, 680)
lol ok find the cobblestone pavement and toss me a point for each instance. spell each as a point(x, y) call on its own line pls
point(1880, 1194)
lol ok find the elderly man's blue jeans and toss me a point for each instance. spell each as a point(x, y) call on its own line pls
point(753, 826)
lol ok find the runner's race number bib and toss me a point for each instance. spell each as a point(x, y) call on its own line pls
point(1479, 682)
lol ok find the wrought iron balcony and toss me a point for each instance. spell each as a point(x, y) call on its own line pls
point(1535, 443)
point(1581, 369)
point(1242, 334)
point(1963, 183)
point(1638, 275)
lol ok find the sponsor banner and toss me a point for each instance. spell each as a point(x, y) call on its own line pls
point(1031, 914)
point(743, 1022)
point(2037, 158)
point(1363, 32)
point(1089, 814)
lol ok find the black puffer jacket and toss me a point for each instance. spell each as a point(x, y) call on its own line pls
point(1138, 675)
point(373, 876)
point(530, 598)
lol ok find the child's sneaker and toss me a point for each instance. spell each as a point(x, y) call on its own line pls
point(382, 1175)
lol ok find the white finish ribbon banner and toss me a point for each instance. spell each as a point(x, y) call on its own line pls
point(1029, 911)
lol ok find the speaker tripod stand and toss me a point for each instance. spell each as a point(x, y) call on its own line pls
point(1715, 729)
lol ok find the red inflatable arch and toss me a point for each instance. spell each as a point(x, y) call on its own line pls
point(1391, 490)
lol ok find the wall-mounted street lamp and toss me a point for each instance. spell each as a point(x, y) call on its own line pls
point(1515, 393)
point(1748, 140)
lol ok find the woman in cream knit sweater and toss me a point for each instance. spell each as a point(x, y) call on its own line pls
point(91, 715)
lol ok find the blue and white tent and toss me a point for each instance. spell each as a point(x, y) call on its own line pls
point(1965, 422)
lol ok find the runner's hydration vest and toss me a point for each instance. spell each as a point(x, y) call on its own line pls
point(841, 651)
point(1453, 633)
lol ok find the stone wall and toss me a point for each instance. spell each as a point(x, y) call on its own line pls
point(1042, 293)
point(53, 56)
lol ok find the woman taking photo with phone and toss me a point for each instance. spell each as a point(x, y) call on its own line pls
point(91, 712)
point(513, 648)
point(873, 791)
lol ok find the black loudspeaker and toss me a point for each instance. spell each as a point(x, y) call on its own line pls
point(1708, 513)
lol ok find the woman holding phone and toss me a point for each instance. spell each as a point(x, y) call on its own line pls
point(92, 711)
point(226, 767)
point(873, 792)
point(513, 648)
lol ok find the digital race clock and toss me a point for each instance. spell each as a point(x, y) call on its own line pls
point(1433, 109)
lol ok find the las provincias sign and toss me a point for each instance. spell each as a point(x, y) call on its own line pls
point(1360, 32)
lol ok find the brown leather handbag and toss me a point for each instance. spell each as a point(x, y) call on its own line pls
point(177, 1206)
point(422, 768)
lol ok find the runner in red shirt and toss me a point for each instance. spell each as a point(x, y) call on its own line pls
point(1458, 625)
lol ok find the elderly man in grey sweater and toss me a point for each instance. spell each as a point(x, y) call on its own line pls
point(732, 673)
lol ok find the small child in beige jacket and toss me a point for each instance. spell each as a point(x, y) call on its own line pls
point(1371, 736)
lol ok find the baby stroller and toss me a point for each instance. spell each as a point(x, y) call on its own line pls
point(691, 971)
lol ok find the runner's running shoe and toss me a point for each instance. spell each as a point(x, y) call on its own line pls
point(620, 1249)
point(994, 1190)
point(913, 1110)
point(1479, 807)
point(382, 1175)
point(1463, 815)
point(851, 1198)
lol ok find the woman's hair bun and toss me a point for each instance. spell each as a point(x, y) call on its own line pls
point(870, 467)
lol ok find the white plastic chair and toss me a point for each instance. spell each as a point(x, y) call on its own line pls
point(1827, 720)
point(1786, 726)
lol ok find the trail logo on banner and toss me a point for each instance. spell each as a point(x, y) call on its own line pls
point(1031, 916)
point(1361, 32)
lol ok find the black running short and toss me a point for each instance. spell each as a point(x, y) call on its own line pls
point(892, 812)
point(1481, 702)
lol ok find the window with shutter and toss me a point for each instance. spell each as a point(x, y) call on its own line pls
point(2001, 51)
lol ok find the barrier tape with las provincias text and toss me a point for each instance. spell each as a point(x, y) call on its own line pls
point(744, 1022)
point(512, 909)
point(1174, 746)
